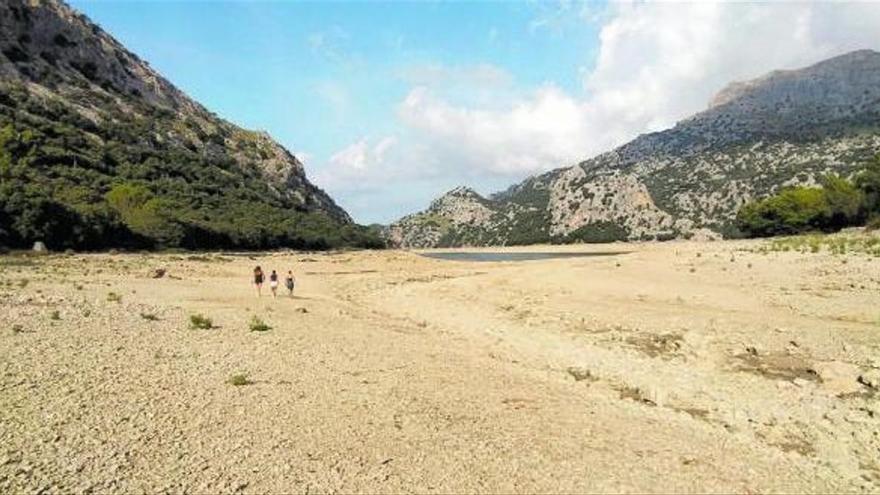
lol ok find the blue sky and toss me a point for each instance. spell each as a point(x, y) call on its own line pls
point(390, 104)
point(320, 76)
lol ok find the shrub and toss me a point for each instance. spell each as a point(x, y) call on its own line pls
point(258, 325)
point(868, 181)
point(791, 211)
point(838, 203)
point(845, 202)
point(55, 315)
point(200, 322)
point(240, 379)
point(598, 232)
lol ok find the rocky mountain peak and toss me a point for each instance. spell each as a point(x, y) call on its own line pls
point(460, 193)
point(787, 127)
point(842, 79)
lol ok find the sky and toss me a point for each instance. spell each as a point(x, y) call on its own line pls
point(391, 104)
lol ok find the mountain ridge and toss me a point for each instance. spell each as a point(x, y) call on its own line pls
point(787, 127)
point(93, 109)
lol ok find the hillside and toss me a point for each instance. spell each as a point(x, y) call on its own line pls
point(98, 150)
point(788, 127)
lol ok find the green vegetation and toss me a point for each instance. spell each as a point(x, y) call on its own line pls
point(55, 315)
point(258, 325)
point(200, 322)
point(838, 203)
point(240, 379)
point(838, 244)
point(597, 232)
point(144, 177)
point(114, 297)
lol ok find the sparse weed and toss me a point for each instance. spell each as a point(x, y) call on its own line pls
point(114, 297)
point(837, 244)
point(149, 316)
point(240, 379)
point(200, 322)
point(55, 315)
point(23, 283)
point(17, 328)
point(258, 325)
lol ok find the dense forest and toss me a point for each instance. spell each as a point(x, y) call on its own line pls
point(832, 205)
point(74, 183)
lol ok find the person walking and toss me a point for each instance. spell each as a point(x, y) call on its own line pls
point(258, 280)
point(289, 282)
point(273, 283)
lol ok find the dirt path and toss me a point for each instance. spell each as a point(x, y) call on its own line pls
point(677, 367)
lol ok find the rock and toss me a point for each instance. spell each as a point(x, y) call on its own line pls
point(302, 310)
point(870, 379)
point(580, 374)
point(40, 247)
point(838, 377)
point(157, 273)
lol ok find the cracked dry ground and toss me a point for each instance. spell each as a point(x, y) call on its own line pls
point(676, 367)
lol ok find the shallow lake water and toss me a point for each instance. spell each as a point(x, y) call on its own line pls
point(511, 256)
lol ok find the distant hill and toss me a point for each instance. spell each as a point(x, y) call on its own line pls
point(98, 150)
point(787, 127)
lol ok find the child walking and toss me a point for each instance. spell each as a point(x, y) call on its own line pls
point(289, 281)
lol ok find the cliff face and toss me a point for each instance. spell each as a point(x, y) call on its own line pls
point(83, 101)
point(785, 128)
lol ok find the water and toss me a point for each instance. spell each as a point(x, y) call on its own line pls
point(511, 256)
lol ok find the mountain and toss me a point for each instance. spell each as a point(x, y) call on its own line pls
point(99, 150)
point(785, 128)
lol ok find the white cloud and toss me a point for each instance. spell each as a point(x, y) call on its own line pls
point(656, 64)
point(545, 128)
point(361, 164)
point(660, 62)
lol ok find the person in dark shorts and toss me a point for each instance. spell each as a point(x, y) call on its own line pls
point(258, 280)
point(289, 282)
point(273, 283)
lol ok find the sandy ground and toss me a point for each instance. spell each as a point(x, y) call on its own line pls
point(678, 367)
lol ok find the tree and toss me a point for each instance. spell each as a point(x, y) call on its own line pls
point(791, 211)
point(868, 181)
point(146, 215)
point(845, 202)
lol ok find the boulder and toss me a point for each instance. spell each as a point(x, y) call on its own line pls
point(839, 378)
point(40, 247)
